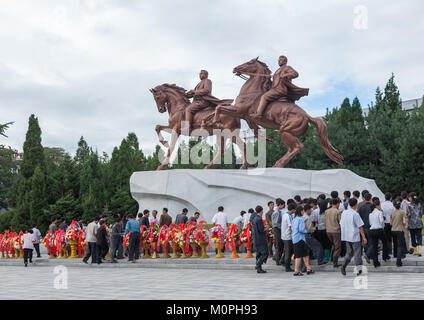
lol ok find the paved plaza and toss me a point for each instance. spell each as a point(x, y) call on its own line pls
point(38, 282)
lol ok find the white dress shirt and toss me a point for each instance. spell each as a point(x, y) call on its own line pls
point(286, 233)
point(349, 225)
point(221, 218)
point(238, 221)
point(376, 219)
point(246, 219)
point(152, 219)
point(387, 207)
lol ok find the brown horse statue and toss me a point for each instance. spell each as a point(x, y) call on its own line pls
point(173, 99)
point(290, 120)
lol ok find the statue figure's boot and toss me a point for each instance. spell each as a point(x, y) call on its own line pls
point(261, 108)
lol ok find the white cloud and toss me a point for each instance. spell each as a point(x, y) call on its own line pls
point(84, 67)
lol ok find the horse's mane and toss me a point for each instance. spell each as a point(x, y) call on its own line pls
point(267, 71)
point(266, 84)
point(181, 91)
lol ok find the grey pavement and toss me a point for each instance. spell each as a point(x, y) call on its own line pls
point(35, 282)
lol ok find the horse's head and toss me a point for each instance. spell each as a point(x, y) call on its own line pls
point(161, 98)
point(170, 97)
point(250, 66)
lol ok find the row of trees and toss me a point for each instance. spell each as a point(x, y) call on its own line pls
point(52, 184)
point(386, 145)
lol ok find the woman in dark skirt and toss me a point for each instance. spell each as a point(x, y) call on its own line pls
point(299, 243)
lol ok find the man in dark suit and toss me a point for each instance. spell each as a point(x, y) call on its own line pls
point(260, 239)
point(194, 218)
point(145, 219)
point(116, 240)
point(182, 217)
point(165, 218)
point(101, 243)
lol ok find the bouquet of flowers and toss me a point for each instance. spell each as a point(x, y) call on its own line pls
point(217, 235)
point(179, 237)
point(268, 231)
point(144, 240)
point(81, 241)
point(126, 240)
point(8, 243)
point(153, 236)
point(59, 241)
point(191, 227)
point(170, 234)
point(246, 236)
point(163, 239)
point(48, 243)
point(201, 233)
point(233, 235)
point(2, 237)
point(71, 232)
point(18, 241)
point(5, 242)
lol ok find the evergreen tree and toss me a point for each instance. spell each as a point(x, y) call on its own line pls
point(154, 160)
point(91, 188)
point(33, 150)
point(33, 157)
point(8, 175)
point(83, 152)
point(3, 128)
point(38, 200)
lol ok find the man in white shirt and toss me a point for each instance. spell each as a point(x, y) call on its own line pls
point(286, 235)
point(351, 232)
point(153, 218)
point(246, 218)
point(239, 220)
point(221, 218)
point(387, 208)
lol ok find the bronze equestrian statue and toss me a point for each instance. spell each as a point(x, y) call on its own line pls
point(202, 97)
point(281, 88)
point(174, 99)
point(282, 113)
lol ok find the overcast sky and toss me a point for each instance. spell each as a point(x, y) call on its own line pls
point(84, 67)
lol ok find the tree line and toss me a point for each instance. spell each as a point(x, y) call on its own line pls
point(386, 145)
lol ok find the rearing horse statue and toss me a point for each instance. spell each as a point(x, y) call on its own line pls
point(290, 120)
point(173, 99)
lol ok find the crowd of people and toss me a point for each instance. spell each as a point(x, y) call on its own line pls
point(326, 229)
point(330, 228)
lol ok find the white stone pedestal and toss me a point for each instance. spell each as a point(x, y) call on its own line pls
point(204, 190)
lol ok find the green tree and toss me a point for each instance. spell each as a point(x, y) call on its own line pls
point(38, 200)
point(8, 174)
point(33, 157)
point(4, 127)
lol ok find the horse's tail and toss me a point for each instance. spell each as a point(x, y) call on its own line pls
point(329, 150)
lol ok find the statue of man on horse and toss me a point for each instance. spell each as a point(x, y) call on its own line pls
point(256, 96)
point(282, 87)
point(202, 97)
